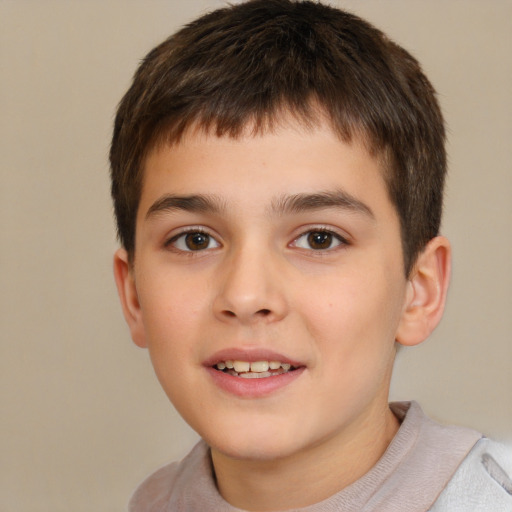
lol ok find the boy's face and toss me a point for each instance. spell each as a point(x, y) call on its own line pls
point(282, 247)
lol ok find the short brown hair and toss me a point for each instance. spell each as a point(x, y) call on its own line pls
point(246, 64)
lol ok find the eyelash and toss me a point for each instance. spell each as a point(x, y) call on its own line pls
point(335, 238)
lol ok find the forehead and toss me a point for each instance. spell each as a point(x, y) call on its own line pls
point(290, 152)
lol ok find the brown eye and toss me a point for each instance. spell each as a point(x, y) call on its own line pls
point(193, 241)
point(197, 241)
point(320, 239)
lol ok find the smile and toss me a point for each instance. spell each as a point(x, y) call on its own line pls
point(253, 370)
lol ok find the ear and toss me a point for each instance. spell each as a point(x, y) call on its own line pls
point(125, 281)
point(426, 293)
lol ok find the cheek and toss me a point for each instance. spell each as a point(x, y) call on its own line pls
point(171, 322)
point(354, 319)
point(353, 326)
point(168, 301)
point(171, 312)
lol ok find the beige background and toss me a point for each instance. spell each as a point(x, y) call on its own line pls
point(82, 418)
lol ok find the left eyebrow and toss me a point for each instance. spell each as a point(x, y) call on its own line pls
point(338, 199)
point(191, 203)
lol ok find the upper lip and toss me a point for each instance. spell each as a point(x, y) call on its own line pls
point(249, 355)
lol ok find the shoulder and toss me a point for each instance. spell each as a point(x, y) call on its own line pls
point(169, 483)
point(482, 482)
point(155, 491)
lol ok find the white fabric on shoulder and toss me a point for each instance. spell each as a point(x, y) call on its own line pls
point(483, 482)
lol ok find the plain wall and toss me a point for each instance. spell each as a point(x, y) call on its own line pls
point(83, 419)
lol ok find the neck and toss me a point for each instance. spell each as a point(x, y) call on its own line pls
point(332, 465)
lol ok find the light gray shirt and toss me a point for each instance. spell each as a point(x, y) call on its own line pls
point(414, 471)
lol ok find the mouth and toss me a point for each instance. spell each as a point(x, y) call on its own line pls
point(250, 374)
point(254, 369)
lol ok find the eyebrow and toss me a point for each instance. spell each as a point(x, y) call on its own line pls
point(192, 203)
point(295, 203)
point(338, 199)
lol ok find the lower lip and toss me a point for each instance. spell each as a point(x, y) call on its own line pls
point(253, 388)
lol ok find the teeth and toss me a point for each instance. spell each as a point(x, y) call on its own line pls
point(251, 375)
point(259, 366)
point(254, 370)
point(241, 366)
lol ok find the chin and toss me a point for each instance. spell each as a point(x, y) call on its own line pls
point(259, 444)
point(255, 452)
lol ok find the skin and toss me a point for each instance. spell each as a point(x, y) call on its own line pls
point(258, 284)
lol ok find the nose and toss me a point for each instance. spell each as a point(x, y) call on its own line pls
point(250, 288)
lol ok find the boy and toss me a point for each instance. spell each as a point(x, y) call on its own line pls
point(277, 175)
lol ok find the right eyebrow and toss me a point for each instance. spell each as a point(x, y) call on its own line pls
point(339, 199)
point(192, 203)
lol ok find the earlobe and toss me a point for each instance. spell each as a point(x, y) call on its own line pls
point(426, 293)
point(125, 282)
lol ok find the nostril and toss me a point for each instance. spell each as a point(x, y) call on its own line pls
point(261, 313)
